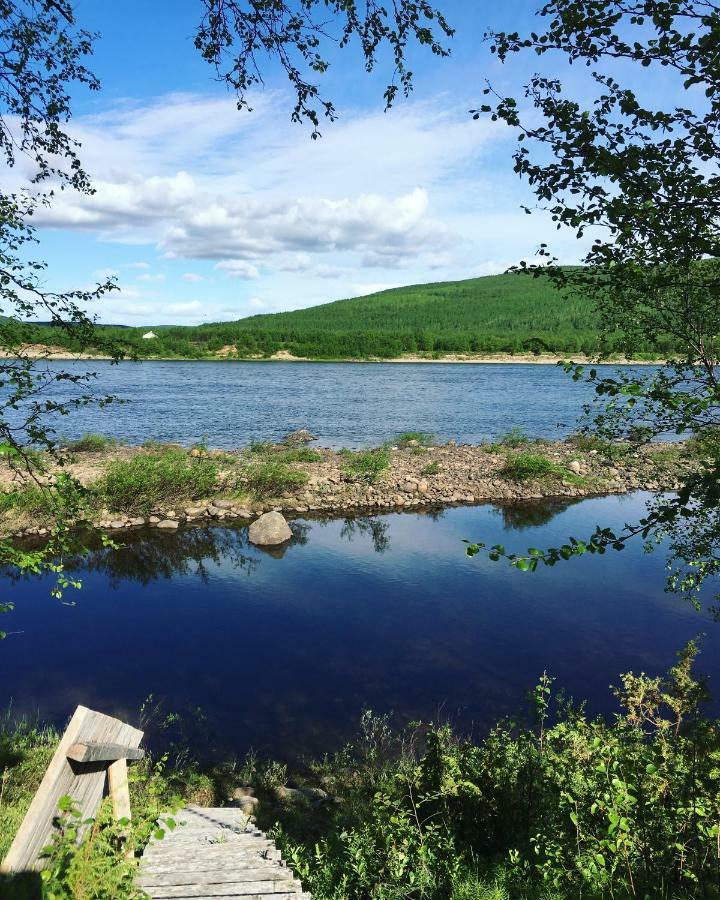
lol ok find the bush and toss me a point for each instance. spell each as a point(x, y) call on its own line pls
point(514, 438)
point(366, 464)
point(579, 808)
point(148, 480)
point(301, 454)
point(413, 439)
point(271, 478)
point(91, 443)
point(530, 466)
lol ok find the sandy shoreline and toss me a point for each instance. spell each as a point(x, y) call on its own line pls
point(59, 354)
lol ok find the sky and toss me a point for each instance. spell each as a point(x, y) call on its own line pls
point(206, 213)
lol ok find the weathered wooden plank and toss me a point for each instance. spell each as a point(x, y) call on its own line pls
point(91, 751)
point(84, 782)
point(221, 890)
point(188, 873)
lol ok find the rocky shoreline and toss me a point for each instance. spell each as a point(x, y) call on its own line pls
point(417, 475)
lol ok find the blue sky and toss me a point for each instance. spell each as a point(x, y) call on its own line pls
point(205, 213)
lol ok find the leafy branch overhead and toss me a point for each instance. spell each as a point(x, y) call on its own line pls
point(237, 37)
point(637, 176)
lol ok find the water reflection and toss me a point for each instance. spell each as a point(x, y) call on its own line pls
point(383, 612)
point(532, 513)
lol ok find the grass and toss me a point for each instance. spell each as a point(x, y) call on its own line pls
point(412, 439)
point(432, 468)
point(365, 464)
point(157, 478)
point(531, 467)
point(91, 443)
point(299, 454)
point(271, 478)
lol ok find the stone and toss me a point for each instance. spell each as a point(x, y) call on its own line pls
point(136, 520)
point(423, 487)
point(167, 523)
point(194, 512)
point(223, 504)
point(314, 794)
point(153, 520)
point(409, 487)
point(243, 512)
point(575, 466)
point(269, 530)
point(117, 523)
point(290, 795)
point(301, 436)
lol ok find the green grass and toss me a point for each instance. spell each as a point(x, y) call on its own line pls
point(31, 500)
point(300, 454)
point(270, 477)
point(531, 467)
point(366, 464)
point(432, 468)
point(157, 478)
point(91, 443)
point(413, 439)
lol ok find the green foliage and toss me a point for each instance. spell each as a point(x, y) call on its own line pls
point(493, 314)
point(366, 464)
point(432, 468)
point(530, 466)
point(413, 439)
point(156, 478)
point(271, 477)
point(300, 454)
point(566, 807)
point(91, 443)
point(514, 438)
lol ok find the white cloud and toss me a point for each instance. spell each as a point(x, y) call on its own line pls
point(192, 277)
point(256, 303)
point(147, 276)
point(238, 268)
point(137, 265)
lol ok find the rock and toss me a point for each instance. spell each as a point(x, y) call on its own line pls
point(153, 520)
point(270, 529)
point(409, 487)
point(423, 487)
point(314, 794)
point(223, 504)
point(288, 794)
point(194, 512)
point(195, 452)
point(575, 467)
point(167, 523)
point(244, 798)
point(117, 523)
point(301, 436)
point(243, 512)
point(136, 520)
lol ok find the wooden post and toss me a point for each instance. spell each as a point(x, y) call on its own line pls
point(119, 791)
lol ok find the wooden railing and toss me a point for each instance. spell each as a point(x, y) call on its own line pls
point(91, 759)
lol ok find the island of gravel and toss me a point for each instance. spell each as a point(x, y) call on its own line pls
point(411, 472)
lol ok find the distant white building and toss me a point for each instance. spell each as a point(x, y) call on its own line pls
point(149, 335)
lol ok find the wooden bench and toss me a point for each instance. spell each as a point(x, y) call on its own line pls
point(91, 759)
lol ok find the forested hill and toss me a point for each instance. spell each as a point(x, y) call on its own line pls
point(495, 314)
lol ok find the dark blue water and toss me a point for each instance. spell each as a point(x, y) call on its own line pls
point(346, 404)
point(283, 652)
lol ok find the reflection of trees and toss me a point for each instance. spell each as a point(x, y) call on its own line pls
point(531, 513)
point(365, 525)
point(147, 556)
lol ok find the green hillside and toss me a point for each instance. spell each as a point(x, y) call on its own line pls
point(495, 314)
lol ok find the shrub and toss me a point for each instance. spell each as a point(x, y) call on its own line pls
point(271, 477)
point(260, 446)
point(514, 438)
point(432, 468)
point(137, 485)
point(530, 466)
point(576, 807)
point(413, 439)
point(367, 464)
point(301, 454)
point(91, 443)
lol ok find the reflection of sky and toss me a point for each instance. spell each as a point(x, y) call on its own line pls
point(284, 655)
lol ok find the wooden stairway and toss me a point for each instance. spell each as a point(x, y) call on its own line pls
point(215, 852)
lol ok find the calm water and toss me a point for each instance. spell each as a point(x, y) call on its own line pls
point(282, 652)
point(346, 404)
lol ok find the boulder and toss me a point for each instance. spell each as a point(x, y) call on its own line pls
point(270, 529)
point(301, 436)
point(167, 523)
point(575, 467)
